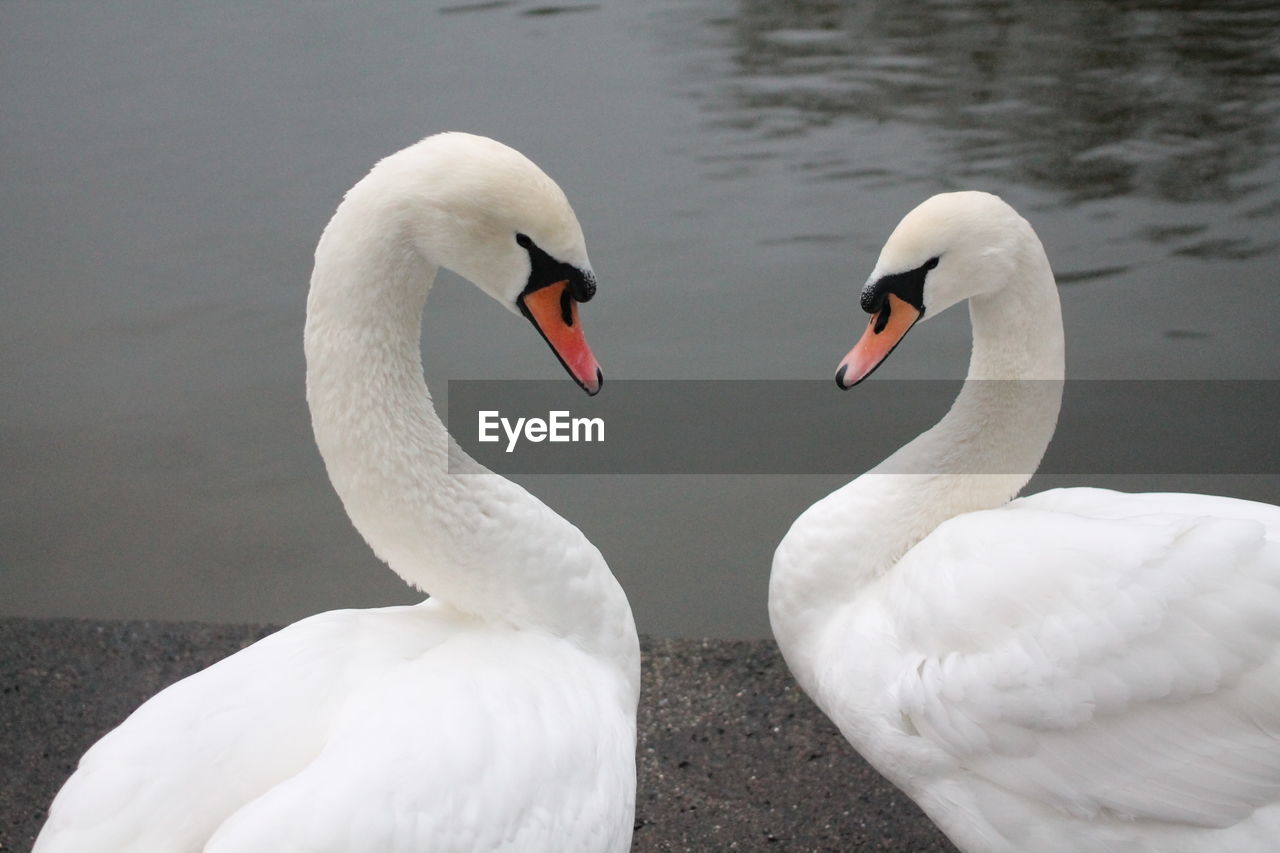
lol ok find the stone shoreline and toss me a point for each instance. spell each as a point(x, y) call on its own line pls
point(731, 755)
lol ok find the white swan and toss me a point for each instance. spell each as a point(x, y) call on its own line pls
point(497, 715)
point(1080, 670)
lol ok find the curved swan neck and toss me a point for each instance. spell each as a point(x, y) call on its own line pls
point(1017, 330)
point(473, 540)
point(978, 456)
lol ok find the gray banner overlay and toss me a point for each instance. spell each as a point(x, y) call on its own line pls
point(811, 427)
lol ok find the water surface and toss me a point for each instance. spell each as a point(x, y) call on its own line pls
point(736, 166)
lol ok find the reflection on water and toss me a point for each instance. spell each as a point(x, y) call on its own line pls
point(1173, 101)
point(736, 164)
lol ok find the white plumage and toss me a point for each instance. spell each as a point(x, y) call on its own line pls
point(1079, 670)
point(499, 715)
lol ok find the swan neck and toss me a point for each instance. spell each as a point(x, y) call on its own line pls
point(1017, 329)
point(977, 457)
point(473, 540)
point(991, 441)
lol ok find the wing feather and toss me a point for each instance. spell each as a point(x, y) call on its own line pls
point(405, 771)
point(203, 747)
point(1101, 653)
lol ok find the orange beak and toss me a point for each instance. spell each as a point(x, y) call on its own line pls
point(887, 327)
point(554, 313)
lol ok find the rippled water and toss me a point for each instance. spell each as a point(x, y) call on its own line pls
point(736, 166)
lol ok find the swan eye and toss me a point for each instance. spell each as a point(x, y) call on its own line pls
point(523, 241)
point(907, 286)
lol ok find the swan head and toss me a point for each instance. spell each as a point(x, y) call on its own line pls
point(952, 247)
point(487, 212)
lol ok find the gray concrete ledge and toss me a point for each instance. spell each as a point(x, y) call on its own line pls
point(731, 755)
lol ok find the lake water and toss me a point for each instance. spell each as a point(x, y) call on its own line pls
point(736, 167)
